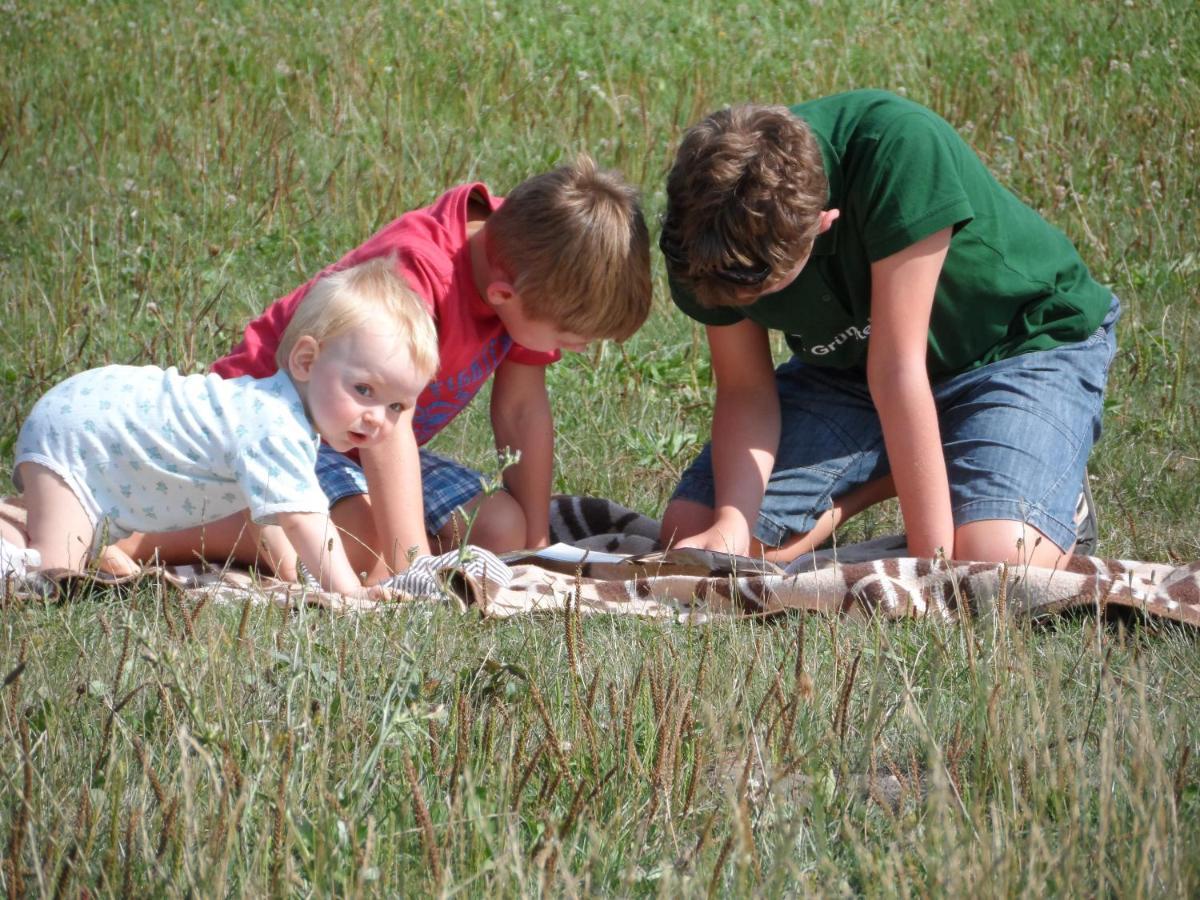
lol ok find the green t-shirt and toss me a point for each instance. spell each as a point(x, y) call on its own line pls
point(1011, 283)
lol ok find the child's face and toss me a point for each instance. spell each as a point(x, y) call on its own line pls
point(358, 385)
point(536, 334)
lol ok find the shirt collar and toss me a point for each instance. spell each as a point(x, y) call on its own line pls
point(826, 244)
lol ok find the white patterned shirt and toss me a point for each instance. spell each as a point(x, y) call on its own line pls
point(151, 450)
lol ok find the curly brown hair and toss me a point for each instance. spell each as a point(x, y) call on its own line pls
point(744, 201)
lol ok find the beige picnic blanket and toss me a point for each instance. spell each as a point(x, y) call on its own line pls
point(615, 576)
point(694, 586)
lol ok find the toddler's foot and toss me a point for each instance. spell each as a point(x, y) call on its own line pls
point(115, 561)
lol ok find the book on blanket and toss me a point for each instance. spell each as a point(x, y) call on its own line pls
point(568, 559)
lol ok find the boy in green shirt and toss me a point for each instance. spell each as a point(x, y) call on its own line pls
point(948, 343)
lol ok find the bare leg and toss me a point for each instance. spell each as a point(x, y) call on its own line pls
point(1004, 540)
point(232, 539)
point(58, 526)
point(353, 517)
point(684, 518)
point(499, 525)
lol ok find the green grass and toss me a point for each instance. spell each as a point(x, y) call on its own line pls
point(167, 169)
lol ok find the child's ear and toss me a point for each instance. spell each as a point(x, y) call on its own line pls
point(500, 292)
point(828, 217)
point(303, 356)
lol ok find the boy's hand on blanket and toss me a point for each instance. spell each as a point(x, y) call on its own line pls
point(425, 576)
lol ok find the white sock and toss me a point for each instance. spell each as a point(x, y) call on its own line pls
point(16, 561)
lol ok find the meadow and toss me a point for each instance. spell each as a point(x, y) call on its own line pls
point(166, 169)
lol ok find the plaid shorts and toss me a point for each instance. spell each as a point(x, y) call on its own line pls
point(445, 484)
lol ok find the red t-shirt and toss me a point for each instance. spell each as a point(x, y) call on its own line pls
point(432, 256)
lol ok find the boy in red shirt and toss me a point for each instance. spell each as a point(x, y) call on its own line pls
point(563, 260)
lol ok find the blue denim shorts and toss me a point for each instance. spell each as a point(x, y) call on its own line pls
point(1016, 436)
point(445, 484)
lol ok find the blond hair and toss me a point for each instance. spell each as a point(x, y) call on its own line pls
point(370, 293)
point(745, 195)
point(575, 244)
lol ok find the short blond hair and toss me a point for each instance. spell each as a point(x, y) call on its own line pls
point(370, 293)
point(746, 192)
point(575, 244)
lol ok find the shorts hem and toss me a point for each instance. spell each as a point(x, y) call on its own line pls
point(773, 534)
point(1061, 533)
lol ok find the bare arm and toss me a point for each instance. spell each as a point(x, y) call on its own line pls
point(522, 420)
point(902, 292)
point(745, 434)
point(393, 472)
point(319, 546)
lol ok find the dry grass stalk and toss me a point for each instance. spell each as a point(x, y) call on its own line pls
point(424, 822)
point(569, 613)
point(682, 725)
point(83, 821)
point(589, 722)
point(102, 755)
point(435, 744)
point(840, 716)
point(166, 615)
point(1002, 594)
point(589, 701)
point(278, 830)
point(462, 741)
point(577, 621)
point(221, 817)
point(135, 816)
point(485, 740)
point(657, 692)
point(684, 863)
point(780, 714)
point(23, 806)
point(243, 622)
point(627, 722)
point(522, 733)
point(168, 827)
point(749, 854)
point(714, 882)
point(661, 776)
point(112, 851)
point(122, 659)
point(48, 838)
point(365, 853)
point(549, 787)
point(526, 774)
point(705, 656)
point(64, 875)
point(545, 855)
point(556, 746)
point(164, 702)
point(160, 796)
point(693, 781)
point(1180, 780)
point(189, 630)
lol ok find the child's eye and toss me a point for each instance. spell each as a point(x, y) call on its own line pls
point(363, 390)
point(396, 407)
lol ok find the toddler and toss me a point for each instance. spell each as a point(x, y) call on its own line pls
point(121, 449)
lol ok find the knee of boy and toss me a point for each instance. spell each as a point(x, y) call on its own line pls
point(500, 525)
